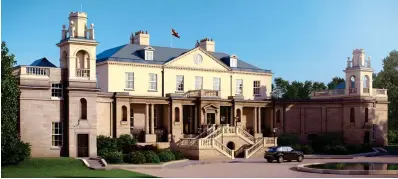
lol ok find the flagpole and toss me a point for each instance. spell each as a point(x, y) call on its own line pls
point(171, 40)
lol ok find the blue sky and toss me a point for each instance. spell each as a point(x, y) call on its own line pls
point(297, 40)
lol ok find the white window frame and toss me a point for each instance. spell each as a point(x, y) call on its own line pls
point(60, 133)
point(129, 80)
point(148, 55)
point(180, 83)
point(256, 88)
point(234, 62)
point(198, 82)
point(239, 87)
point(217, 83)
point(153, 82)
point(57, 88)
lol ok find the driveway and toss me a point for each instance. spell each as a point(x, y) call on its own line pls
point(255, 168)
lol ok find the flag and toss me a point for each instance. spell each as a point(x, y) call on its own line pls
point(174, 33)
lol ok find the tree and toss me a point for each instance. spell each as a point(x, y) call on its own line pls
point(388, 79)
point(295, 90)
point(279, 88)
point(319, 86)
point(335, 81)
point(12, 149)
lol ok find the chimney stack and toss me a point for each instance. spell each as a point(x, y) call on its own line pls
point(140, 38)
point(207, 44)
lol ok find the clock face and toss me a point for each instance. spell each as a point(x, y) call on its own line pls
point(198, 59)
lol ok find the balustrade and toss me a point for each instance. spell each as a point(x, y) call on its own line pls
point(83, 72)
point(38, 71)
point(202, 93)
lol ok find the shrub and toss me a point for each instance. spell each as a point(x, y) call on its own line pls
point(353, 149)
point(297, 147)
point(307, 149)
point(149, 147)
point(151, 157)
point(339, 150)
point(287, 139)
point(392, 137)
point(178, 155)
point(327, 149)
point(19, 152)
point(106, 143)
point(136, 157)
point(166, 156)
point(125, 143)
point(322, 140)
point(112, 156)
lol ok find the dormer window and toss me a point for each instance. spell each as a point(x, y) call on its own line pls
point(233, 61)
point(148, 53)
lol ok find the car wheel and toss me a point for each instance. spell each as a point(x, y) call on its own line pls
point(280, 159)
point(300, 158)
point(269, 160)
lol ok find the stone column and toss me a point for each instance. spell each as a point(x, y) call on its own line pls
point(259, 120)
point(255, 127)
point(147, 119)
point(152, 119)
point(195, 119)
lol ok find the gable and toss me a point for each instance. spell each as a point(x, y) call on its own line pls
point(198, 58)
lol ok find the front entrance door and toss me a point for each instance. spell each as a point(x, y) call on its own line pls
point(211, 118)
point(82, 145)
point(366, 137)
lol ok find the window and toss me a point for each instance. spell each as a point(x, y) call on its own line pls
point(352, 82)
point(278, 116)
point(238, 115)
point(148, 55)
point(56, 90)
point(177, 114)
point(216, 83)
point(83, 108)
point(124, 113)
point(366, 115)
point(233, 62)
point(352, 115)
point(130, 80)
point(239, 87)
point(57, 130)
point(180, 83)
point(131, 116)
point(153, 81)
point(198, 82)
point(256, 87)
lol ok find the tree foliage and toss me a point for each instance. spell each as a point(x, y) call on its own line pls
point(387, 78)
point(335, 81)
point(295, 90)
point(12, 149)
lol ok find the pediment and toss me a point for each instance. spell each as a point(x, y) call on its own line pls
point(198, 58)
point(210, 107)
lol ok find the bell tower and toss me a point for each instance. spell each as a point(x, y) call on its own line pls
point(78, 48)
point(358, 75)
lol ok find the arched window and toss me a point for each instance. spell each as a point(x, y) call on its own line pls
point(366, 115)
point(177, 114)
point(278, 116)
point(238, 115)
point(124, 113)
point(131, 116)
point(82, 60)
point(366, 81)
point(83, 108)
point(352, 115)
point(352, 82)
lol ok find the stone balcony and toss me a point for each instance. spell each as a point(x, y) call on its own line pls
point(203, 93)
point(327, 93)
point(377, 93)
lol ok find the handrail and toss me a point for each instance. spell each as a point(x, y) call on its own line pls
point(205, 143)
point(188, 143)
point(209, 130)
point(214, 134)
point(254, 148)
point(223, 149)
point(246, 134)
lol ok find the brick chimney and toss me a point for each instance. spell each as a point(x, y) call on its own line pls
point(207, 44)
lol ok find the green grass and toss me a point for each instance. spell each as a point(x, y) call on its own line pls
point(62, 168)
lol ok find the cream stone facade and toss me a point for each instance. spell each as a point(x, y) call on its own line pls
point(204, 103)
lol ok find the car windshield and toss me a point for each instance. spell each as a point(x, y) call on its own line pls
point(272, 149)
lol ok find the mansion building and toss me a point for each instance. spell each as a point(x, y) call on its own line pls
point(204, 103)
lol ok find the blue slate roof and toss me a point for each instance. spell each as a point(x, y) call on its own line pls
point(340, 85)
point(161, 55)
point(43, 62)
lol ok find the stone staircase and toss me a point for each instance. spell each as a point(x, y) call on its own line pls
point(208, 140)
point(96, 163)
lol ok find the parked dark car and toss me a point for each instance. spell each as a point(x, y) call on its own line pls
point(281, 153)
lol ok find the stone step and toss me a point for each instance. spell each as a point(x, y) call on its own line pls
point(96, 164)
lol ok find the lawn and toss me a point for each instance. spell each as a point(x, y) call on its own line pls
point(62, 168)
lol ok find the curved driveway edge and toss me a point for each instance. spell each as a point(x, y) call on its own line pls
point(151, 166)
point(304, 168)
